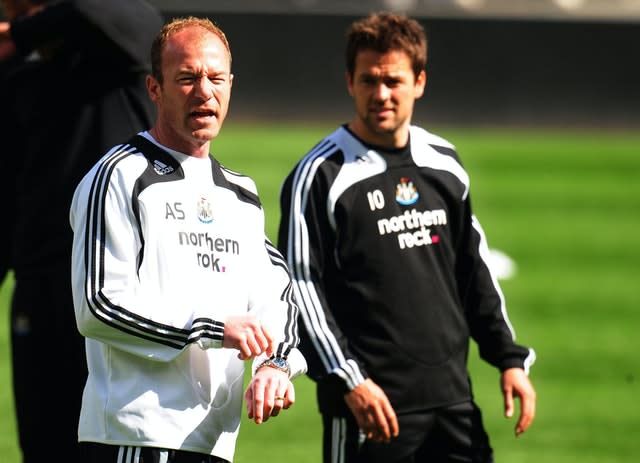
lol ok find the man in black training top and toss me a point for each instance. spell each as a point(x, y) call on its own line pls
point(391, 274)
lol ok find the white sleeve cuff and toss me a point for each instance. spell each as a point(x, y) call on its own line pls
point(208, 343)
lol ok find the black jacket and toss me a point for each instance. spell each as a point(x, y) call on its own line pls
point(78, 91)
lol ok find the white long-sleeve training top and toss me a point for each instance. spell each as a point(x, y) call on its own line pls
point(166, 247)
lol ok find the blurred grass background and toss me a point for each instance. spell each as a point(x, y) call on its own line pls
point(565, 205)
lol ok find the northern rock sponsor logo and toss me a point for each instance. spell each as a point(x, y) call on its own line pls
point(210, 249)
point(414, 228)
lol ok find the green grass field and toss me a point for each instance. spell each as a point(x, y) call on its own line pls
point(565, 205)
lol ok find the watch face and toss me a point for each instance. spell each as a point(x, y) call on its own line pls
point(280, 362)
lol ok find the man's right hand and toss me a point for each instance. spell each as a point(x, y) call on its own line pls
point(373, 411)
point(248, 335)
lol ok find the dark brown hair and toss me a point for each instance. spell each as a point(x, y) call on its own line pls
point(383, 32)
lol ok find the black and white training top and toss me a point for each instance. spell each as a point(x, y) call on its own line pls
point(390, 272)
point(166, 247)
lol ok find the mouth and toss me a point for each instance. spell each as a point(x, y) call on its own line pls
point(202, 114)
point(382, 112)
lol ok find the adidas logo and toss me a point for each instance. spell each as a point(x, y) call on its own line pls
point(161, 168)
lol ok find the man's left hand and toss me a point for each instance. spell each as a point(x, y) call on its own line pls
point(269, 392)
point(515, 383)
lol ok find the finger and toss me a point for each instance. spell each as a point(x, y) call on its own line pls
point(274, 398)
point(289, 396)
point(392, 419)
point(379, 437)
point(266, 340)
point(278, 405)
point(370, 433)
point(282, 397)
point(522, 425)
point(371, 426)
point(270, 406)
point(508, 402)
point(362, 422)
point(248, 397)
point(376, 435)
point(253, 344)
point(258, 405)
point(245, 351)
point(527, 414)
point(387, 420)
point(381, 424)
point(254, 338)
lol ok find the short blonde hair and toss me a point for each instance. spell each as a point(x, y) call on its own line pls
point(174, 26)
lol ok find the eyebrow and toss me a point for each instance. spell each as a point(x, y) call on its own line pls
point(193, 72)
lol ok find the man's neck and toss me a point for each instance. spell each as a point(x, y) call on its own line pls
point(197, 150)
point(391, 140)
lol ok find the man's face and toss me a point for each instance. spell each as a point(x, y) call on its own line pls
point(384, 89)
point(194, 96)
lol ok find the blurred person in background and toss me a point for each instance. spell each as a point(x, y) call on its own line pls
point(391, 272)
point(73, 84)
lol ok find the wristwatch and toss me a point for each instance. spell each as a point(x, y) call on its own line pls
point(279, 363)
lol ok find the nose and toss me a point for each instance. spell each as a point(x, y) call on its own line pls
point(381, 92)
point(204, 88)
